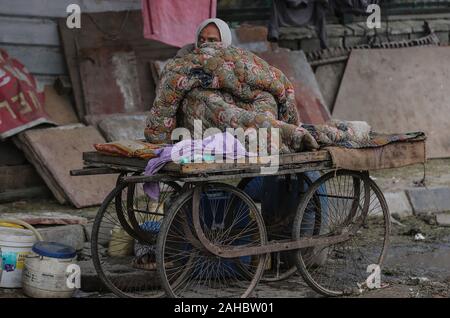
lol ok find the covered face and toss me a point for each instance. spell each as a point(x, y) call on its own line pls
point(213, 30)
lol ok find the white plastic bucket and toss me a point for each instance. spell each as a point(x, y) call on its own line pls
point(46, 277)
point(1, 265)
point(15, 244)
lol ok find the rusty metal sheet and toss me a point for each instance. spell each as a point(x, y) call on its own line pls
point(329, 78)
point(110, 81)
point(103, 36)
point(400, 90)
point(310, 103)
point(56, 151)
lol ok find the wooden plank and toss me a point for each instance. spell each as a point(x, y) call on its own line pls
point(287, 159)
point(195, 168)
point(314, 166)
point(57, 8)
point(92, 171)
point(59, 150)
point(304, 157)
point(71, 56)
point(79, 45)
point(59, 107)
point(41, 168)
point(117, 168)
point(23, 194)
point(18, 177)
point(29, 31)
point(96, 157)
point(10, 155)
point(39, 59)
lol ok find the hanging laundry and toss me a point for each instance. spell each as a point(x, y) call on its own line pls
point(175, 22)
point(298, 13)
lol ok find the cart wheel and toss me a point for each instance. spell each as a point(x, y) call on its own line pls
point(228, 217)
point(123, 240)
point(349, 202)
point(282, 263)
point(141, 209)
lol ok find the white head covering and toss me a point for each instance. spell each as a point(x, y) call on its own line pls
point(225, 32)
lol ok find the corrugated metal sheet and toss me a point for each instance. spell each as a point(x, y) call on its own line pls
point(29, 31)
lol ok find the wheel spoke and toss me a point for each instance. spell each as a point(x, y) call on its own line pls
point(123, 240)
point(228, 218)
point(352, 201)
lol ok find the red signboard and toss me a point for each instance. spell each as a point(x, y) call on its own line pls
point(21, 105)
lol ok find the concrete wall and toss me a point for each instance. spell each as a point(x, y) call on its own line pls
point(29, 32)
point(396, 29)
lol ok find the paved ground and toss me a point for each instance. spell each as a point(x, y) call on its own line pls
point(437, 172)
point(413, 268)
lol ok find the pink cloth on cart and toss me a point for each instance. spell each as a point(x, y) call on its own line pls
point(175, 22)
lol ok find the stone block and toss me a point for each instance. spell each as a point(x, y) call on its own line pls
point(398, 204)
point(337, 30)
point(334, 42)
point(399, 27)
point(296, 33)
point(289, 44)
point(429, 201)
point(71, 235)
point(439, 25)
point(309, 45)
point(443, 219)
point(351, 41)
point(356, 29)
point(372, 32)
point(123, 127)
point(417, 26)
point(443, 37)
point(415, 35)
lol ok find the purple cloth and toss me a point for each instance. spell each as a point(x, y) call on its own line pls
point(222, 146)
point(153, 166)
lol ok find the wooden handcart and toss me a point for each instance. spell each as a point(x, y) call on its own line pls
point(207, 234)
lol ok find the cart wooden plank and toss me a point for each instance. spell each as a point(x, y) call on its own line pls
point(135, 164)
point(128, 164)
point(230, 174)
